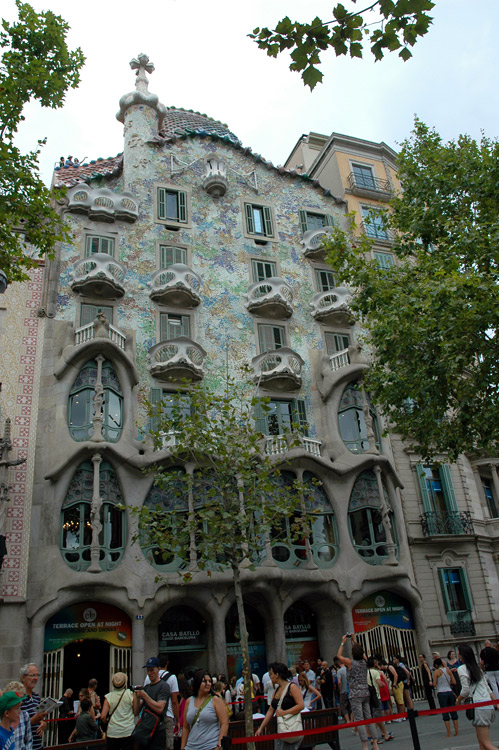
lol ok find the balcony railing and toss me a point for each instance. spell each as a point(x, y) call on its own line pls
point(339, 360)
point(271, 298)
point(332, 306)
point(275, 444)
point(461, 622)
point(87, 333)
point(369, 183)
point(377, 232)
point(100, 275)
point(176, 285)
point(177, 359)
point(279, 369)
point(446, 522)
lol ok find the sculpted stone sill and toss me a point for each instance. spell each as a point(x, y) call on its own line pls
point(176, 359)
point(176, 285)
point(271, 298)
point(279, 369)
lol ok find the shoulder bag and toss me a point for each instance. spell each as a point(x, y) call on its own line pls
point(373, 695)
point(288, 722)
point(146, 726)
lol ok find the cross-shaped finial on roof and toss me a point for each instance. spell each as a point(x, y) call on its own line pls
point(141, 65)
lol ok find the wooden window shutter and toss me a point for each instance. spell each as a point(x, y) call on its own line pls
point(427, 506)
point(260, 419)
point(450, 497)
point(250, 224)
point(161, 203)
point(303, 221)
point(267, 220)
point(182, 206)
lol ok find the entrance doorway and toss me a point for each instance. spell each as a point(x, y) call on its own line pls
point(84, 660)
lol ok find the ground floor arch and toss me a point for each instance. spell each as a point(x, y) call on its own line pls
point(183, 635)
point(255, 625)
point(301, 632)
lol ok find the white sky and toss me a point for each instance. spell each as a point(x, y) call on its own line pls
point(204, 61)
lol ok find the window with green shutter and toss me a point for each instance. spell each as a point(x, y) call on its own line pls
point(172, 205)
point(385, 261)
point(96, 244)
point(455, 589)
point(441, 514)
point(258, 220)
point(490, 498)
point(172, 326)
point(312, 220)
point(170, 254)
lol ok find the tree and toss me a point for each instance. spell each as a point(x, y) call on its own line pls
point(431, 320)
point(386, 25)
point(223, 497)
point(35, 64)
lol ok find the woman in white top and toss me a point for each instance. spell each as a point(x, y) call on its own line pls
point(474, 686)
point(117, 711)
point(310, 694)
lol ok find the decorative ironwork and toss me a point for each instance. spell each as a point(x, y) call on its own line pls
point(446, 522)
point(377, 232)
point(368, 182)
point(461, 622)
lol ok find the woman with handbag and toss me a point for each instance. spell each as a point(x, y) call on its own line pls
point(117, 714)
point(444, 681)
point(474, 685)
point(287, 704)
point(205, 716)
point(359, 689)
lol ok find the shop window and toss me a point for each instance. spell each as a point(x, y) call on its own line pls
point(313, 220)
point(97, 244)
point(365, 519)
point(76, 531)
point(82, 403)
point(352, 420)
point(263, 269)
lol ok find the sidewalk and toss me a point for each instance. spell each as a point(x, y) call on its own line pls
point(432, 734)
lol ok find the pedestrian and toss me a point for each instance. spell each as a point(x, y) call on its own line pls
point(172, 715)
point(359, 690)
point(427, 679)
point(66, 712)
point(30, 703)
point(94, 698)
point(10, 712)
point(205, 716)
point(490, 661)
point(155, 697)
point(453, 663)
point(396, 675)
point(23, 738)
point(117, 714)
point(474, 685)
point(376, 680)
point(343, 691)
point(444, 680)
point(327, 686)
point(86, 725)
point(310, 694)
point(287, 701)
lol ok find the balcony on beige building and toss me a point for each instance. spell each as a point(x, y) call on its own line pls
point(368, 186)
point(177, 359)
point(279, 370)
point(332, 307)
point(99, 275)
point(271, 298)
point(176, 285)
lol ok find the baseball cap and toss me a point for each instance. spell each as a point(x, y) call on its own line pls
point(152, 662)
point(9, 700)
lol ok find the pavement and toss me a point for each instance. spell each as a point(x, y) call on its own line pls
point(431, 731)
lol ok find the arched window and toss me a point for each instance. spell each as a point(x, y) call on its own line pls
point(169, 499)
point(81, 403)
point(352, 421)
point(76, 532)
point(290, 552)
point(365, 519)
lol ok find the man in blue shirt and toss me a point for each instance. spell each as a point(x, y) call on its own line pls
point(31, 701)
point(10, 711)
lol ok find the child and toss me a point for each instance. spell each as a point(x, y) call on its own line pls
point(85, 724)
point(10, 711)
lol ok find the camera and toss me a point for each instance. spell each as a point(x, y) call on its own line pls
point(134, 688)
point(349, 635)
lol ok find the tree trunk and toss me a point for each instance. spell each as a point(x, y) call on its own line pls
point(247, 676)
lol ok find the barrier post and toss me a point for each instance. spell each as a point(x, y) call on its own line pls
point(411, 715)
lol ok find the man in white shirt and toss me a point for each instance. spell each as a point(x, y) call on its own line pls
point(172, 716)
point(309, 672)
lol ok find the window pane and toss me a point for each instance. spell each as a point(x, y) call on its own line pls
point(384, 260)
point(171, 205)
point(169, 255)
point(270, 337)
point(89, 313)
point(324, 280)
point(489, 496)
point(336, 342)
point(95, 244)
point(71, 528)
point(455, 592)
point(363, 176)
point(263, 269)
point(258, 220)
point(315, 221)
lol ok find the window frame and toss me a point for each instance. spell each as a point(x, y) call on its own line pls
point(98, 307)
point(268, 216)
point(184, 214)
point(328, 220)
point(364, 165)
point(174, 313)
point(161, 244)
point(87, 392)
point(372, 230)
point(463, 582)
point(381, 255)
point(491, 502)
point(297, 414)
point(255, 261)
point(260, 325)
point(318, 285)
point(90, 236)
point(327, 333)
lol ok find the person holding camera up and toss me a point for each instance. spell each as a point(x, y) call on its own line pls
point(359, 689)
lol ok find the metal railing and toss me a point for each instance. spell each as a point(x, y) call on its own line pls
point(461, 622)
point(446, 522)
point(368, 182)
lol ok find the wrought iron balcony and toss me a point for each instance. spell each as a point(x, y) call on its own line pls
point(339, 360)
point(176, 285)
point(279, 369)
point(271, 298)
point(332, 307)
point(446, 522)
point(99, 275)
point(369, 186)
point(461, 622)
point(312, 242)
point(377, 232)
point(275, 444)
point(98, 328)
point(177, 359)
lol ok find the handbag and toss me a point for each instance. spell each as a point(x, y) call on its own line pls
point(470, 712)
point(288, 722)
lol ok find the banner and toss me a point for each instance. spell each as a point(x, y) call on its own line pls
point(88, 620)
point(383, 608)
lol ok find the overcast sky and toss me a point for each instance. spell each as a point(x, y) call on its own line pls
point(204, 61)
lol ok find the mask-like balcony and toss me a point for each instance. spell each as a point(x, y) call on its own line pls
point(175, 285)
point(276, 444)
point(99, 275)
point(100, 328)
point(312, 242)
point(177, 359)
point(102, 204)
point(278, 370)
point(271, 298)
point(215, 177)
point(332, 307)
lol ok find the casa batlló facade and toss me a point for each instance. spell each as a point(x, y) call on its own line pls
point(193, 256)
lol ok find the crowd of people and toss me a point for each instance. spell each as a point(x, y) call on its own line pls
point(197, 707)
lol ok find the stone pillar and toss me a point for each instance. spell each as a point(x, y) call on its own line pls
point(385, 517)
point(95, 521)
point(138, 650)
